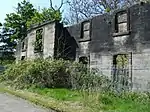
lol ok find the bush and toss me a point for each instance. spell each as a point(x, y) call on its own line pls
point(51, 74)
point(83, 78)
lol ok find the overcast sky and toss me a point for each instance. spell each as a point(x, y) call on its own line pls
point(7, 6)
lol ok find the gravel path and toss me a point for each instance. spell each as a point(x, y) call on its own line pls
point(10, 103)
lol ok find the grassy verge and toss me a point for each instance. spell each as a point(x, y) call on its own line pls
point(106, 101)
point(75, 101)
point(45, 101)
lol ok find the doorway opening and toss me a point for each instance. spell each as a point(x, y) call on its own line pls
point(120, 72)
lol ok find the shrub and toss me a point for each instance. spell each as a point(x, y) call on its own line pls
point(51, 74)
point(83, 78)
point(14, 70)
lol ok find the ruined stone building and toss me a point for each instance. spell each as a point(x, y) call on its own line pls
point(116, 45)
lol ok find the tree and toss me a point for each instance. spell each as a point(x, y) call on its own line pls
point(26, 15)
point(7, 46)
point(83, 9)
point(14, 29)
point(6, 43)
point(47, 14)
point(17, 21)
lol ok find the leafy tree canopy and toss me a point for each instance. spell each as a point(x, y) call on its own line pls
point(47, 14)
point(17, 21)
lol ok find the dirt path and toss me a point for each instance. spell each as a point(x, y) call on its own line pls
point(10, 103)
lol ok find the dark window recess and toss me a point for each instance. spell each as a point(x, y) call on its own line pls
point(121, 22)
point(85, 30)
point(38, 45)
point(23, 58)
point(83, 60)
point(24, 46)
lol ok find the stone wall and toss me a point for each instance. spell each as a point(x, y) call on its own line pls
point(30, 49)
point(101, 63)
point(141, 70)
point(48, 41)
point(105, 42)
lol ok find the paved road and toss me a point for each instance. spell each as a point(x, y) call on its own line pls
point(10, 103)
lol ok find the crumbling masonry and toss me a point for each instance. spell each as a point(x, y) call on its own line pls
point(116, 45)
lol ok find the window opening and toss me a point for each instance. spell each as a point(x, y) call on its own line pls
point(85, 30)
point(23, 58)
point(23, 46)
point(83, 60)
point(121, 22)
point(120, 70)
point(39, 40)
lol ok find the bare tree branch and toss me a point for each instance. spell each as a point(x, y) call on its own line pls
point(83, 9)
point(62, 3)
point(51, 5)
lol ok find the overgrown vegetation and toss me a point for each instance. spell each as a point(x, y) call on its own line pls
point(51, 74)
point(38, 43)
point(114, 102)
point(70, 85)
point(5, 62)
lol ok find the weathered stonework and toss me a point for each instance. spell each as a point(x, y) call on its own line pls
point(30, 49)
point(49, 41)
point(100, 39)
point(141, 71)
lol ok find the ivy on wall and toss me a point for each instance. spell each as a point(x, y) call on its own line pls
point(38, 44)
point(122, 60)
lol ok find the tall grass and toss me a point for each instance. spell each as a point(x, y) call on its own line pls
point(114, 102)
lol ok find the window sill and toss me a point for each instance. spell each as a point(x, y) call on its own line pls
point(24, 50)
point(38, 51)
point(84, 40)
point(121, 34)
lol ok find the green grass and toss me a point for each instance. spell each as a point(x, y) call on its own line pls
point(127, 105)
point(45, 101)
point(113, 103)
point(129, 102)
point(72, 101)
point(59, 94)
